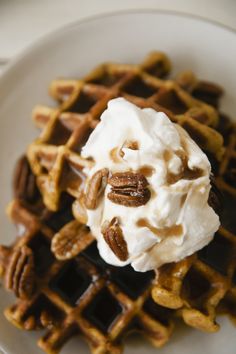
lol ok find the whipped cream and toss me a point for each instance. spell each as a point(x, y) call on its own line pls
point(177, 220)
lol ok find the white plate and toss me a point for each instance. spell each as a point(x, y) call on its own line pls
point(206, 48)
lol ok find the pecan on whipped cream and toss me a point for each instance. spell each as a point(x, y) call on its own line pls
point(155, 197)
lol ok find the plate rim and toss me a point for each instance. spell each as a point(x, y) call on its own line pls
point(35, 45)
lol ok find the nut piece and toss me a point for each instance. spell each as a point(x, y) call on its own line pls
point(129, 189)
point(24, 182)
point(20, 273)
point(113, 236)
point(72, 239)
point(96, 187)
point(5, 253)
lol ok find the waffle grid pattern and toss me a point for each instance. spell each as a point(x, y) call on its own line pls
point(54, 157)
point(84, 295)
point(214, 265)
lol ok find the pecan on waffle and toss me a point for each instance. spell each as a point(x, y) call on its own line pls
point(204, 284)
point(54, 156)
point(81, 296)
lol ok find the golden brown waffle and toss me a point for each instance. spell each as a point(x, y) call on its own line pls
point(67, 296)
point(198, 284)
point(82, 296)
point(54, 157)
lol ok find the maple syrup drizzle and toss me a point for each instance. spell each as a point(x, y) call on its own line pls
point(183, 198)
point(133, 145)
point(174, 230)
point(167, 155)
point(116, 154)
point(147, 171)
point(185, 172)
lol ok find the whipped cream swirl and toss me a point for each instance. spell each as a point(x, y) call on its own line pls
point(177, 220)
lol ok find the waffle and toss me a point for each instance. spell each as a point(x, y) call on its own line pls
point(83, 296)
point(188, 101)
point(48, 204)
point(54, 156)
point(204, 284)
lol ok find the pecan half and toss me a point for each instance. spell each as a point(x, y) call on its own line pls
point(24, 181)
point(129, 189)
point(71, 240)
point(96, 187)
point(20, 273)
point(4, 255)
point(113, 236)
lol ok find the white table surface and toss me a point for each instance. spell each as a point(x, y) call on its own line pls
point(24, 21)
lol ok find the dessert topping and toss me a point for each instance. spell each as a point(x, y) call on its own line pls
point(113, 236)
point(128, 189)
